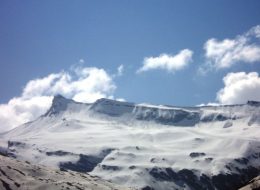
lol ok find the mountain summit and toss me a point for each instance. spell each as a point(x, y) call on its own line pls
point(59, 103)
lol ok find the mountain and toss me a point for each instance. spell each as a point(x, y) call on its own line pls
point(145, 146)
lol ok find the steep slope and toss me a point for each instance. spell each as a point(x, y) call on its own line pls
point(145, 146)
point(253, 184)
point(15, 174)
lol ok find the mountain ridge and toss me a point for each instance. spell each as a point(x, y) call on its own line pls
point(168, 115)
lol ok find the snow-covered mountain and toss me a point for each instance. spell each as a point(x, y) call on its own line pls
point(145, 146)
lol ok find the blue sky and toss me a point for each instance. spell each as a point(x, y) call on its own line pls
point(38, 38)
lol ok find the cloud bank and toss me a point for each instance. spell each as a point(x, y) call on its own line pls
point(170, 63)
point(225, 53)
point(83, 84)
point(239, 88)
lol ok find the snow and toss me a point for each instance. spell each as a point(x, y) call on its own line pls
point(141, 137)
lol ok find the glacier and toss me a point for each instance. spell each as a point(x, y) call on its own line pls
point(144, 146)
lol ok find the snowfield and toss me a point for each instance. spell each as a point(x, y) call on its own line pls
point(145, 146)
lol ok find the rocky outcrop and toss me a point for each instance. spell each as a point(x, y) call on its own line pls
point(253, 184)
point(15, 174)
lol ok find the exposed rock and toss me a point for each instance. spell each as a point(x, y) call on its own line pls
point(21, 175)
point(107, 167)
point(243, 161)
point(197, 154)
point(228, 124)
point(253, 184)
point(132, 167)
point(15, 144)
point(147, 188)
point(253, 103)
point(58, 153)
point(230, 181)
point(86, 163)
point(209, 159)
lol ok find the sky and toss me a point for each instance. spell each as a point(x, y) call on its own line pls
point(171, 52)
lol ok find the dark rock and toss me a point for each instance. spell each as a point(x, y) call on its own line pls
point(253, 103)
point(152, 160)
point(208, 159)
point(105, 152)
point(190, 178)
point(197, 154)
point(171, 116)
point(229, 181)
point(147, 188)
point(112, 108)
point(3, 151)
point(234, 181)
point(58, 153)
point(221, 117)
point(86, 163)
point(6, 185)
point(15, 144)
point(214, 117)
point(63, 169)
point(181, 177)
point(107, 167)
point(59, 104)
point(159, 174)
point(243, 161)
point(132, 167)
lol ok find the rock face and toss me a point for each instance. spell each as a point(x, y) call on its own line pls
point(254, 184)
point(16, 174)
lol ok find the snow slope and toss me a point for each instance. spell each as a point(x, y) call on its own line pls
point(145, 146)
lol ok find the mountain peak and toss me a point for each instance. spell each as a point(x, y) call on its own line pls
point(59, 103)
point(59, 99)
point(59, 96)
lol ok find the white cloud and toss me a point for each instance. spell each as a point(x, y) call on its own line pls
point(254, 31)
point(239, 88)
point(208, 104)
point(121, 100)
point(222, 54)
point(20, 110)
point(167, 62)
point(81, 84)
point(120, 70)
point(81, 61)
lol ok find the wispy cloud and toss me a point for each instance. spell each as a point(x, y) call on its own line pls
point(239, 87)
point(81, 61)
point(170, 63)
point(120, 70)
point(222, 54)
point(84, 84)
